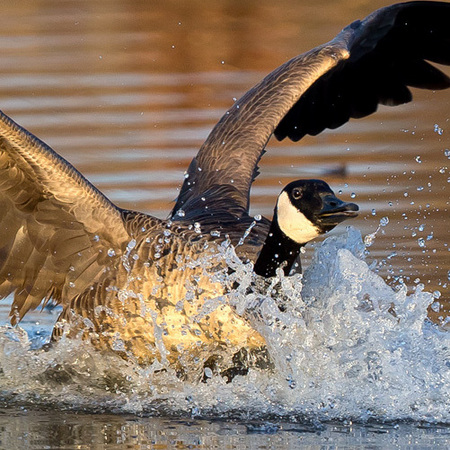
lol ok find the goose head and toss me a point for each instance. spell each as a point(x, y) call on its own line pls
point(305, 209)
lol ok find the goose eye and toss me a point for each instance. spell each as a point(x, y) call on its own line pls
point(297, 193)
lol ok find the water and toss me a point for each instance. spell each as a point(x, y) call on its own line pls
point(113, 431)
point(345, 346)
point(127, 94)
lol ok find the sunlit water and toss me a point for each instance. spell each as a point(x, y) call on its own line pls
point(128, 95)
point(345, 346)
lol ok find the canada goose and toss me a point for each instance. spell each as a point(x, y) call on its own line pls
point(151, 288)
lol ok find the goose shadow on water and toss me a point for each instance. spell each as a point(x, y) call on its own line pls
point(138, 285)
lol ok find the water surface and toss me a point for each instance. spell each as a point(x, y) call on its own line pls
point(127, 92)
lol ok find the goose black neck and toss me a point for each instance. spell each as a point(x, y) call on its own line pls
point(278, 249)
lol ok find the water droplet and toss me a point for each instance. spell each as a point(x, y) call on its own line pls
point(374, 212)
point(352, 195)
point(208, 372)
point(291, 382)
point(369, 239)
point(180, 213)
point(96, 238)
point(420, 188)
point(258, 217)
point(418, 160)
point(71, 284)
point(215, 233)
point(421, 242)
point(438, 129)
point(384, 221)
point(111, 252)
point(435, 306)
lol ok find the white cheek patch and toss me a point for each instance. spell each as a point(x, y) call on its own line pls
point(293, 223)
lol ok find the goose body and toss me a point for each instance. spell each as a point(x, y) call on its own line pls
point(156, 289)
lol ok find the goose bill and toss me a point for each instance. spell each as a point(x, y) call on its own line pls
point(336, 211)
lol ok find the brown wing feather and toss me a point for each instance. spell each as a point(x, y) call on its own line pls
point(370, 62)
point(56, 228)
point(230, 154)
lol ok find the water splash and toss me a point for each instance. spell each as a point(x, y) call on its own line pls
point(344, 345)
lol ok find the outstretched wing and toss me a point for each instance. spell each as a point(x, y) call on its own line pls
point(370, 62)
point(55, 227)
point(388, 53)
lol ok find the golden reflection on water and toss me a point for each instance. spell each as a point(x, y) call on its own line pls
point(128, 90)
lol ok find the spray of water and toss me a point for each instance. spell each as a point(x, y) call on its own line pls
point(342, 343)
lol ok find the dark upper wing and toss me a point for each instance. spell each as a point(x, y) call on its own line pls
point(55, 227)
point(387, 54)
point(369, 62)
